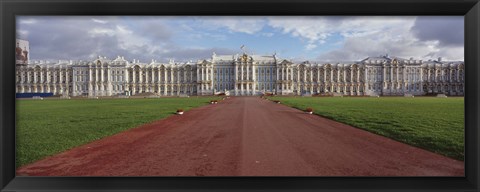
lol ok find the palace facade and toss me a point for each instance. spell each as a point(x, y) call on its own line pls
point(242, 74)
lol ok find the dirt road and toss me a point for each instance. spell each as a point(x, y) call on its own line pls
point(245, 136)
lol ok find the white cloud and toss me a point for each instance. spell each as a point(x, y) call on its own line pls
point(99, 21)
point(453, 54)
point(28, 21)
point(361, 37)
point(317, 30)
point(396, 40)
point(101, 31)
point(151, 37)
point(248, 25)
point(310, 47)
point(22, 34)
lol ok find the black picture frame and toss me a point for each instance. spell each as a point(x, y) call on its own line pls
point(470, 9)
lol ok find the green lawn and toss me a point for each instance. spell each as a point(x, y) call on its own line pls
point(435, 124)
point(47, 127)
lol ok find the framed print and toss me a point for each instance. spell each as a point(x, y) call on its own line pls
point(239, 95)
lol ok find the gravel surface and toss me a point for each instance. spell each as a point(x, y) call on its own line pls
point(245, 136)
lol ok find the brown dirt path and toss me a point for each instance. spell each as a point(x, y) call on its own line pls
point(245, 136)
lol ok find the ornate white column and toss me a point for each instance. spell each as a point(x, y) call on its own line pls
point(207, 75)
point(289, 84)
point(204, 73)
point(66, 79)
point(366, 80)
point(277, 74)
point(47, 76)
point(248, 79)
point(41, 78)
point(324, 75)
point(154, 80)
point(171, 76)
point(178, 81)
point(351, 76)
point(428, 75)
point(46, 81)
point(241, 78)
point(198, 74)
point(97, 72)
point(305, 76)
point(235, 81)
point(133, 75)
point(109, 81)
point(191, 75)
point(397, 79)
point(142, 76)
point(28, 77)
point(35, 77)
point(384, 78)
point(74, 86)
point(254, 78)
point(310, 83)
point(178, 75)
point(391, 74)
point(90, 81)
point(287, 73)
point(102, 81)
point(298, 75)
point(457, 73)
point(165, 80)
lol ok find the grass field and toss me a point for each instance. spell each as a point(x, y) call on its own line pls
point(47, 127)
point(435, 124)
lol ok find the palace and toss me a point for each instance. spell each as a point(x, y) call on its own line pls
point(241, 74)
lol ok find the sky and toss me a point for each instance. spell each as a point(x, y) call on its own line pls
point(297, 38)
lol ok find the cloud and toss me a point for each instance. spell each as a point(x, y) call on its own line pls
point(156, 31)
point(186, 54)
point(99, 21)
point(317, 30)
point(28, 21)
point(399, 39)
point(248, 25)
point(84, 37)
point(192, 38)
point(357, 48)
point(22, 34)
point(449, 31)
point(311, 46)
point(101, 31)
